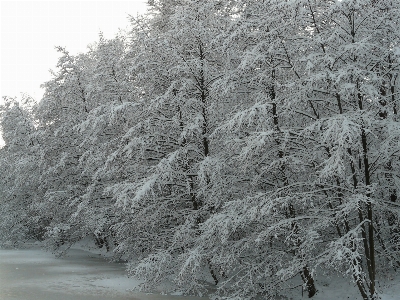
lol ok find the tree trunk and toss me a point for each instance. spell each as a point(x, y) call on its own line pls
point(309, 282)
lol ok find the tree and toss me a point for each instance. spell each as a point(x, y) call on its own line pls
point(318, 201)
point(19, 172)
point(179, 61)
point(66, 104)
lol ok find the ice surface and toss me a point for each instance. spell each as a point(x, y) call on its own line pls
point(32, 274)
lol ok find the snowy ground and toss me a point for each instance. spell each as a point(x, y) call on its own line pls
point(31, 274)
point(339, 288)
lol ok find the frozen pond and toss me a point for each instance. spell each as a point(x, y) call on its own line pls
point(32, 274)
point(36, 275)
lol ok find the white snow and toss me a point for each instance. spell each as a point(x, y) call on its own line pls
point(336, 287)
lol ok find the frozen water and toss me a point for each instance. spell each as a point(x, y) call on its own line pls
point(31, 274)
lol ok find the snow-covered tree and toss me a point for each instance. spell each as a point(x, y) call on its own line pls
point(65, 104)
point(317, 133)
point(177, 59)
point(113, 113)
point(18, 171)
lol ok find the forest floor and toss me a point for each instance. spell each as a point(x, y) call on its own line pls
point(32, 274)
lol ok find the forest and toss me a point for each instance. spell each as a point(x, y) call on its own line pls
point(228, 146)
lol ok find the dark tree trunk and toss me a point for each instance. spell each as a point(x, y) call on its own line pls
point(309, 281)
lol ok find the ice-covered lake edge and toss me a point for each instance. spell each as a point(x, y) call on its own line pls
point(114, 281)
point(28, 269)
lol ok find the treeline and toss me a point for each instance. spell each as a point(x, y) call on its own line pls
point(238, 143)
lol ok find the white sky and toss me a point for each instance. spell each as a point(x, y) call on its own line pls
point(31, 29)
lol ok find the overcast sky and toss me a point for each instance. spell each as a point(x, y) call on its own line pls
point(31, 29)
